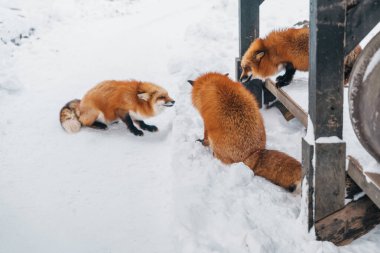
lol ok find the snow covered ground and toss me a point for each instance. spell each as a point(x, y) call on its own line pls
point(111, 191)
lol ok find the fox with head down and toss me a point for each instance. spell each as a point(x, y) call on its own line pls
point(234, 130)
point(284, 49)
point(130, 101)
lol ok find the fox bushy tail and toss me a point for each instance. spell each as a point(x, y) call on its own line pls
point(277, 167)
point(69, 116)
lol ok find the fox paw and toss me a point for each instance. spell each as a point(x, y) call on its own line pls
point(151, 128)
point(137, 132)
point(282, 81)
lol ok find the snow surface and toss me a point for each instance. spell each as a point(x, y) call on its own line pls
point(111, 191)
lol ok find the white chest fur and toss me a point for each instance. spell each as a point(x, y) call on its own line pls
point(137, 116)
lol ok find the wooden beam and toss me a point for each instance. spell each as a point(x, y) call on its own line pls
point(287, 101)
point(362, 17)
point(354, 220)
point(308, 172)
point(326, 44)
point(329, 178)
point(368, 182)
point(284, 111)
point(327, 35)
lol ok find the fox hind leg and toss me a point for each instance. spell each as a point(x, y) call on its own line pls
point(143, 126)
point(205, 142)
point(99, 125)
point(88, 117)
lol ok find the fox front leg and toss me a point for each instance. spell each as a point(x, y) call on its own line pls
point(129, 122)
point(285, 79)
point(205, 142)
point(143, 126)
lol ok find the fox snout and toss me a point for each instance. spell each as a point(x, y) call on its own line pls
point(246, 74)
point(169, 103)
point(245, 78)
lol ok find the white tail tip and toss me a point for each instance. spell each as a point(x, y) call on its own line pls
point(71, 125)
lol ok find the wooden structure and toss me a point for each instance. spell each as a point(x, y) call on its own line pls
point(336, 27)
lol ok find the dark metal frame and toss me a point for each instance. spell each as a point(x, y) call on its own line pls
point(336, 27)
point(249, 27)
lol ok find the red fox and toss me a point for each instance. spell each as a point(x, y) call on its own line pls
point(130, 101)
point(349, 62)
point(234, 129)
point(280, 49)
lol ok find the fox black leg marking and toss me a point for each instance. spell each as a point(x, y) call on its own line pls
point(99, 125)
point(144, 126)
point(204, 142)
point(285, 79)
point(128, 121)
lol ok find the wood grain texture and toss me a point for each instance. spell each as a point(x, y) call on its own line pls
point(308, 172)
point(354, 220)
point(287, 101)
point(329, 179)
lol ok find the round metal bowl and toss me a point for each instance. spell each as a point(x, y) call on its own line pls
point(364, 97)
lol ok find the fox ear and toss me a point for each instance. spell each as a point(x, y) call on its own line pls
point(191, 82)
point(144, 96)
point(227, 74)
point(259, 55)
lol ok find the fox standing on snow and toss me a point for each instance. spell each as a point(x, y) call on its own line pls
point(281, 49)
point(234, 129)
point(130, 101)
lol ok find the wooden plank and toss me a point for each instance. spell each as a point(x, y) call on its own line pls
point(354, 220)
point(327, 35)
point(329, 178)
point(362, 17)
point(374, 178)
point(287, 101)
point(308, 172)
point(284, 111)
point(371, 186)
point(268, 96)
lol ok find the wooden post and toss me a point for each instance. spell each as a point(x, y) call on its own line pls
point(327, 35)
point(308, 172)
point(249, 22)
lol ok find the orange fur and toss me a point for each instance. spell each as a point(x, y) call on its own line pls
point(235, 131)
point(111, 100)
point(281, 47)
point(349, 62)
point(115, 98)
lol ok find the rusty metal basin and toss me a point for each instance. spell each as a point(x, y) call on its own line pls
point(364, 97)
